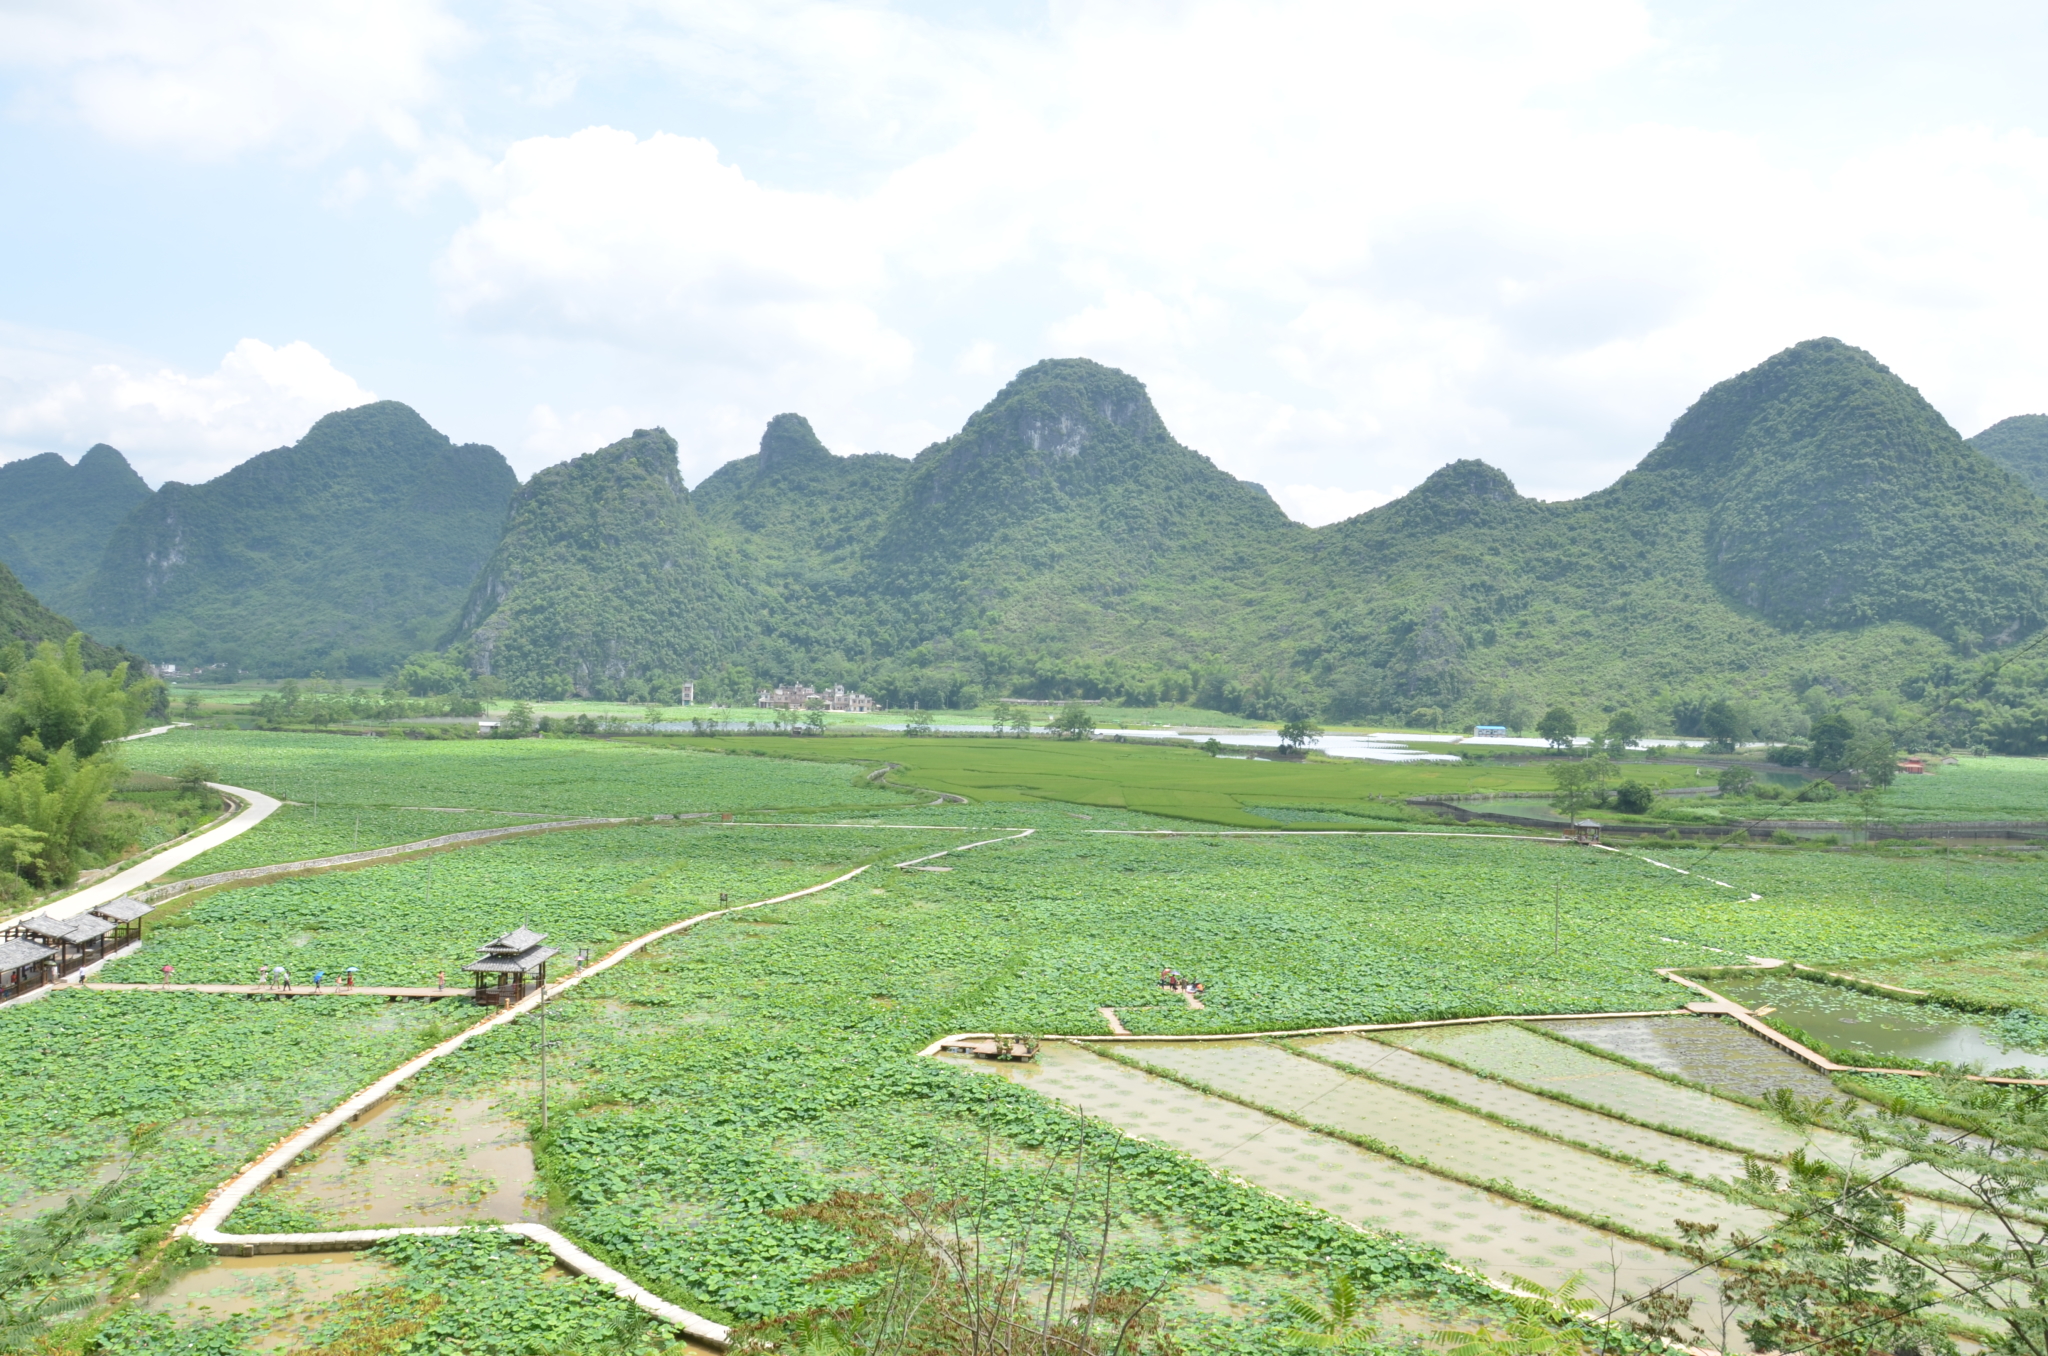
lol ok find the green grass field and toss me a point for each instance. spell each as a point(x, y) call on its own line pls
point(1974, 788)
point(529, 776)
point(1173, 781)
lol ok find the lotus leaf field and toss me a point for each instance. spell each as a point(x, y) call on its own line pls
point(711, 1095)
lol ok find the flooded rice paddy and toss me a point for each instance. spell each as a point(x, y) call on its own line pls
point(290, 1294)
point(1538, 1061)
point(435, 1161)
point(1488, 1232)
point(1458, 1142)
point(1439, 1124)
point(1718, 1054)
point(1879, 1028)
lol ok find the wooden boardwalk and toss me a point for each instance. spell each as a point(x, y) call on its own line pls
point(305, 990)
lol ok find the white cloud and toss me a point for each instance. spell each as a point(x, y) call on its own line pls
point(1343, 243)
point(172, 425)
point(1317, 505)
point(655, 245)
point(211, 78)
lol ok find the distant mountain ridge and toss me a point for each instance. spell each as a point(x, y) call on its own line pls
point(1810, 521)
point(603, 576)
point(344, 552)
point(2020, 445)
point(58, 516)
point(1808, 527)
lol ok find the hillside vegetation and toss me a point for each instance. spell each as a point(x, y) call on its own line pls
point(344, 552)
point(604, 575)
point(59, 516)
point(1810, 536)
point(2020, 445)
point(1810, 532)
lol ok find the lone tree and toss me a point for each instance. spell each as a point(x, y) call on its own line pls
point(1721, 724)
point(1829, 742)
point(1873, 757)
point(1558, 728)
point(1073, 722)
point(1735, 781)
point(1581, 784)
point(1298, 733)
point(1624, 732)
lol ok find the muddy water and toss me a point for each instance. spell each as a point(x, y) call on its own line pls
point(1878, 1027)
point(1487, 1232)
point(439, 1161)
point(1717, 1053)
point(287, 1289)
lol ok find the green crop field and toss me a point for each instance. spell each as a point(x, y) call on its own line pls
point(713, 1094)
point(404, 922)
point(525, 776)
point(166, 1094)
point(1974, 788)
point(1162, 780)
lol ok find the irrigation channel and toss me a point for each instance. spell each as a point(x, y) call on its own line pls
point(1533, 1146)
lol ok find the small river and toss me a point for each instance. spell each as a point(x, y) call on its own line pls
point(1878, 1027)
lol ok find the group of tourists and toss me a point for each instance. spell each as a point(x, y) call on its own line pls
point(279, 978)
point(1173, 981)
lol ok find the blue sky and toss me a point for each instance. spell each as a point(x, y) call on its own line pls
point(1341, 243)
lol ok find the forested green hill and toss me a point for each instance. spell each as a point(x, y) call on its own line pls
point(2020, 445)
point(344, 552)
point(59, 516)
point(26, 622)
point(1809, 531)
point(605, 579)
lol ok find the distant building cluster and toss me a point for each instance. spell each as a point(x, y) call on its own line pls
point(799, 696)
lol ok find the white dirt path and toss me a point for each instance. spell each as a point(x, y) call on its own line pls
point(256, 807)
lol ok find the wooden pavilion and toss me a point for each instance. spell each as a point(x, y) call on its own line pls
point(516, 960)
point(23, 966)
point(1585, 831)
point(125, 914)
point(78, 941)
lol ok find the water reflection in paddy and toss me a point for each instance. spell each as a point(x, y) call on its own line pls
point(1879, 1027)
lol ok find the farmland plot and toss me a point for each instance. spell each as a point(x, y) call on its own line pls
point(1459, 1143)
point(557, 777)
point(207, 1080)
point(734, 1078)
point(406, 923)
point(1491, 1233)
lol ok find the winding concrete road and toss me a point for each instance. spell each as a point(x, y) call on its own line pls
point(256, 807)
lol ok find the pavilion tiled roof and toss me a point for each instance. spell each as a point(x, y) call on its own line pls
point(126, 909)
point(518, 940)
point(16, 953)
point(512, 965)
point(75, 930)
